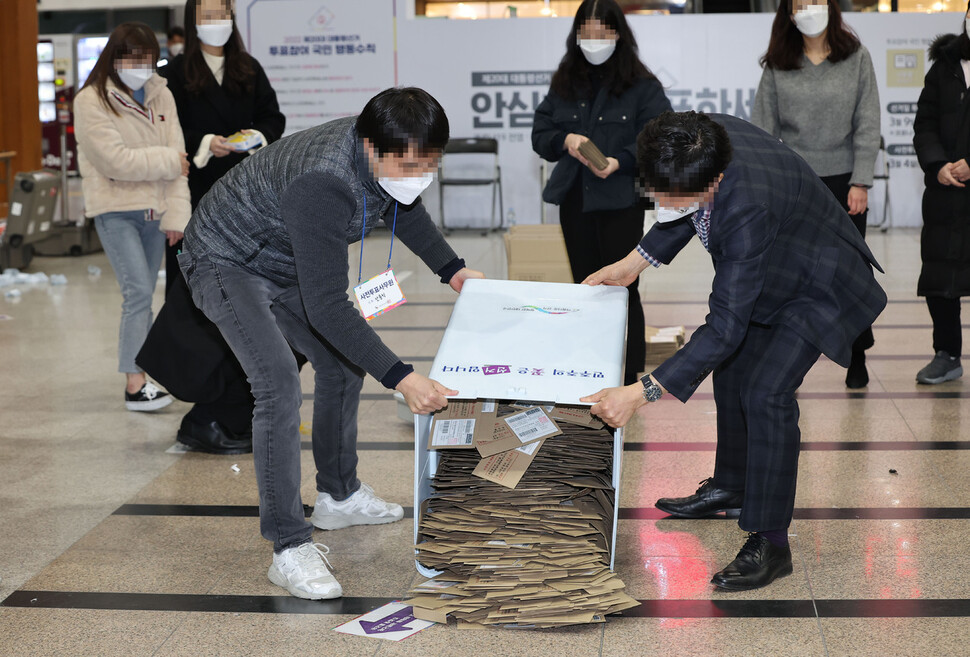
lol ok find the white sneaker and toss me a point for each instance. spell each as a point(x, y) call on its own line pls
point(301, 571)
point(361, 508)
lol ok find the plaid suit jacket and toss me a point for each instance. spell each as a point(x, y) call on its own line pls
point(784, 251)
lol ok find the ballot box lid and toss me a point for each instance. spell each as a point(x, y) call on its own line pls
point(549, 342)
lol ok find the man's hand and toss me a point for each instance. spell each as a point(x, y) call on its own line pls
point(858, 200)
point(462, 275)
point(616, 406)
point(173, 236)
point(960, 170)
point(946, 177)
point(621, 273)
point(612, 165)
point(422, 394)
point(184, 163)
point(219, 146)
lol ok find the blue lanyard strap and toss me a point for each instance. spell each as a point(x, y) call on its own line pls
point(363, 232)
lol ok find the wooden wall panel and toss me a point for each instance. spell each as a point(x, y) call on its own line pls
point(19, 120)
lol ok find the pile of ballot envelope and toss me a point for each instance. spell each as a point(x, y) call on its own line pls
point(520, 519)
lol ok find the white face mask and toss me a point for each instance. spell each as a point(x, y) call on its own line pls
point(406, 190)
point(666, 215)
point(597, 51)
point(176, 49)
point(812, 20)
point(215, 34)
point(967, 21)
point(135, 78)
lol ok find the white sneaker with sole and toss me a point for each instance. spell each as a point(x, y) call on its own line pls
point(361, 508)
point(302, 570)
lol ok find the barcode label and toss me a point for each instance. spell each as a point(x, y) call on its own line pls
point(531, 424)
point(453, 433)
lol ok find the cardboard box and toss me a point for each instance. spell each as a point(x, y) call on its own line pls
point(537, 253)
point(662, 343)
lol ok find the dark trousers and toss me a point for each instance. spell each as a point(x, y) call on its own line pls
point(757, 424)
point(234, 407)
point(947, 331)
point(839, 186)
point(597, 239)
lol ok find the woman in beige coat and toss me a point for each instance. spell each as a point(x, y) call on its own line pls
point(133, 165)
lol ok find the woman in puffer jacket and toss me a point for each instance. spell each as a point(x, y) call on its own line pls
point(132, 160)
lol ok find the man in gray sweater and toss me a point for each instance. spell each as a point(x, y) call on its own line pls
point(265, 256)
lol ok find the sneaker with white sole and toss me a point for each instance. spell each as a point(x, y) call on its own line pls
point(303, 571)
point(361, 508)
point(149, 398)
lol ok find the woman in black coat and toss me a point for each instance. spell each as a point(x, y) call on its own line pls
point(602, 93)
point(942, 141)
point(219, 90)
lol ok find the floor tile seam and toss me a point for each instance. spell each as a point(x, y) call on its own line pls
point(811, 591)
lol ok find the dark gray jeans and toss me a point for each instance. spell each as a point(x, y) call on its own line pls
point(263, 323)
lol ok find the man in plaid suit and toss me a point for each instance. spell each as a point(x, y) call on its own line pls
point(793, 280)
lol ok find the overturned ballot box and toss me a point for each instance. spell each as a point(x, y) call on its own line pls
point(515, 482)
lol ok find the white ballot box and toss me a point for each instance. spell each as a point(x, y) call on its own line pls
point(527, 341)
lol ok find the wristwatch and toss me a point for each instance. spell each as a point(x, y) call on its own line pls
point(651, 391)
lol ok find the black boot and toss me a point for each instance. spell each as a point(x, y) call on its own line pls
point(213, 438)
point(857, 376)
point(705, 502)
point(758, 564)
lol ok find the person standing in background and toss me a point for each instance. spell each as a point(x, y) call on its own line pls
point(133, 167)
point(818, 94)
point(602, 93)
point(942, 141)
point(175, 42)
point(220, 90)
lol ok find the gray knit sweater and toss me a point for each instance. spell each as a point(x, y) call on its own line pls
point(288, 212)
point(828, 114)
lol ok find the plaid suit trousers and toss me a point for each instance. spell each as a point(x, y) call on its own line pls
point(757, 423)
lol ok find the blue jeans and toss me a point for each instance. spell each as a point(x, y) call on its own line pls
point(135, 248)
point(263, 323)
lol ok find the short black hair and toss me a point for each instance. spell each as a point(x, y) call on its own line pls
point(176, 31)
point(682, 153)
point(400, 117)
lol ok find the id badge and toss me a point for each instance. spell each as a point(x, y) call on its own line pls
point(378, 295)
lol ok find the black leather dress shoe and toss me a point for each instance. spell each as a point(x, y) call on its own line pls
point(704, 503)
point(213, 438)
point(759, 563)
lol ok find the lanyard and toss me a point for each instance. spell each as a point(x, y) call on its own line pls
point(363, 232)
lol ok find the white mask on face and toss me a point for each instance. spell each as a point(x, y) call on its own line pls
point(406, 190)
point(666, 215)
point(812, 20)
point(216, 33)
point(967, 21)
point(176, 49)
point(597, 51)
point(135, 78)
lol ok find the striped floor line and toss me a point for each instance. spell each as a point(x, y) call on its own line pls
point(282, 604)
point(625, 513)
point(806, 446)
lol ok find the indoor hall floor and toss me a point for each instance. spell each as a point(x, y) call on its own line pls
point(111, 543)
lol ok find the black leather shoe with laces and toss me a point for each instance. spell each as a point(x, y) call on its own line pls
point(707, 501)
point(758, 564)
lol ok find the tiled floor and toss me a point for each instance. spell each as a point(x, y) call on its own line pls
point(93, 564)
